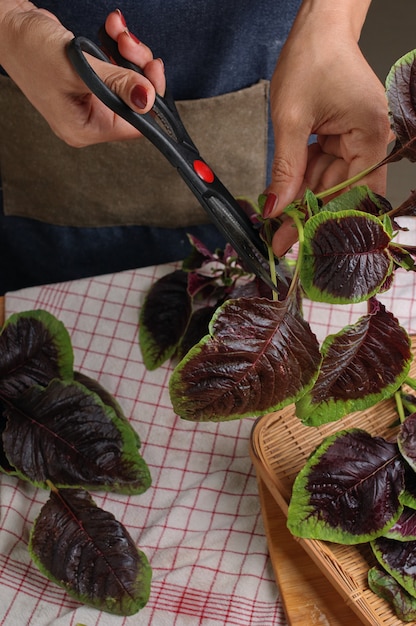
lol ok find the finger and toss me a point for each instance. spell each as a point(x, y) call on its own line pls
point(284, 238)
point(136, 90)
point(324, 170)
point(345, 169)
point(115, 24)
point(130, 47)
point(288, 168)
point(155, 72)
point(318, 163)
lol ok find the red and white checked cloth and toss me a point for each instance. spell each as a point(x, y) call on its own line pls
point(200, 522)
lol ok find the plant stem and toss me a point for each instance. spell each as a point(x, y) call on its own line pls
point(411, 382)
point(273, 275)
point(51, 486)
point(301, 238)
point(346, 183)
point(399, 406)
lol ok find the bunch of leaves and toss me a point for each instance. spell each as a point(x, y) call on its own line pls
point(61, 430)
point(245, 351)
point(358, 488)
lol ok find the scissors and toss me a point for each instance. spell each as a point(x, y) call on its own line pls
point(164, 128)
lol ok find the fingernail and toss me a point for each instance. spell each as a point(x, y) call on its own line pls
point(269, 205)
point(123, 21)
point(132, 36)
point(161, 62)
point(139, 96)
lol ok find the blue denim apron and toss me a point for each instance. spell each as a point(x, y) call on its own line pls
point(209, 47)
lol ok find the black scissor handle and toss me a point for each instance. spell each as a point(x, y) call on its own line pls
point(165, 109)
point(170, 137)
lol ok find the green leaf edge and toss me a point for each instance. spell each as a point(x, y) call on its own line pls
point(59, 333)
point(307, 273)
point(301, 519)
point(407, 582)
point(406, 59)
point(149, 347)
point(130, 454)
point(378, 582)
point(143, 582)
point(341, 408)
point(178, 400)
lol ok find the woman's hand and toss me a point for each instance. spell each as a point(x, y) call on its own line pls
point(322, 85)
point(33, 52)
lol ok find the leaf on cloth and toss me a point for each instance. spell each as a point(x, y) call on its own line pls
point(348, 491)
point(66, 434)
point(34, 348)
point(198, 327)
point(164, 317)
point(362, 364)
point(345, 257)
point(106, 397)
point(259, 356)
point(85, 550)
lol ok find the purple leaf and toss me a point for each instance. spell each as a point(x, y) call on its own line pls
point(349, 489)
point(66, 434)
point(386, 587)
point(35, 347)
point(259, 356)
point(398, 558)
point(197, 328)
point(346, 257)
point(163, 318)
point(401, 96)
point(362, 364)
point(407, 440)
point(85, 550)
point(405, 527)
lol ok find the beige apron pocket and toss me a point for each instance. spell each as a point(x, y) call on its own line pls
point(127, 182)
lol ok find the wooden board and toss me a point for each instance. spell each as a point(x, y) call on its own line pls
point(308, 598)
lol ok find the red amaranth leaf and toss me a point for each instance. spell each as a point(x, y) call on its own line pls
point(260, 356)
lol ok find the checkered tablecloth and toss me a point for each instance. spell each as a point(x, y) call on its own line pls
point(200, 523)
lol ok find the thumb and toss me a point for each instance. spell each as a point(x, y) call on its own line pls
point(288, 171)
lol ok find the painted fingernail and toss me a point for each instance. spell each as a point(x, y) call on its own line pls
point(269, 205)
point(139, 96)
point(123, 21)
point(132, 36)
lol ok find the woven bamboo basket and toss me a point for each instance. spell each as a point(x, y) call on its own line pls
point(279, 447)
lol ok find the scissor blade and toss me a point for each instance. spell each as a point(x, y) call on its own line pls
point(244, 239)
point(175, 144)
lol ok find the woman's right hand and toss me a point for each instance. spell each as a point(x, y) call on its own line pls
point(33, 53)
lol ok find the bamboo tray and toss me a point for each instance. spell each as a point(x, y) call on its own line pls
point(279, 447)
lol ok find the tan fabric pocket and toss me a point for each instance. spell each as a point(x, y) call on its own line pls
point(127, 182)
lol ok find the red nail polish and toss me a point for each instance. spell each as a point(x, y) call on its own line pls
point(139, 96)
point(123, 21)
point(134, 38)
point(269, 205)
